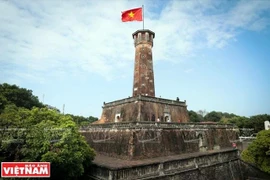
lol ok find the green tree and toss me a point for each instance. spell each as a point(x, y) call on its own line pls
point(195, 117)
point(21, 97)
point(81, 120)
point(222, 117)
point(254, 122)
point(258, 152)
point(213, 116)
point(257, 122)
point(12, 124)
point(3, 102)
point(42, 134)
point(92, 119)
point(202, 112)
point(240, 121)
point(228, 115)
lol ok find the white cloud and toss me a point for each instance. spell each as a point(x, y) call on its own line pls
point(189, 70)
point(89, 37)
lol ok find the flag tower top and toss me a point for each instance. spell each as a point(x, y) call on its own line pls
point(144, 30)
point(143, 36)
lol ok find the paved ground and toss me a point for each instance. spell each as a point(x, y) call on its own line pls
point(115, 163)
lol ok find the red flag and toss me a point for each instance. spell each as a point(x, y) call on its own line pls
point(132, 15)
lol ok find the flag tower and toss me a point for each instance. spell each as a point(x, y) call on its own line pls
point(143, 83)
point(134, 129)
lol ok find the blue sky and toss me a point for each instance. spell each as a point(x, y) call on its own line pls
point(213, 54)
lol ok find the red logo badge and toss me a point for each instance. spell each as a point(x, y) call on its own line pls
point(25, 169)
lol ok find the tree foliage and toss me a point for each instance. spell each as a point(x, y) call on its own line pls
point(41, 134)
point(240, 121)
point(195, 117)
point(31, 131)
point(83, 121)
point(217, 116)
point(254, 122)
point(257, 122)
point(21, 97)
point(214, 116)
point(258, 152)
point(202, 112)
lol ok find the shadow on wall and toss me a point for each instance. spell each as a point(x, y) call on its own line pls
point(251, 172)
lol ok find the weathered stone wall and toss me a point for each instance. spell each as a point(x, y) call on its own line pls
point(128, 112)
point(151, 111)
point(145, 108)
point(223, 165)
point(145, 140)
point(253, 173)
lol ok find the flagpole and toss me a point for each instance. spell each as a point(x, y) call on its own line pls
point(143, 16)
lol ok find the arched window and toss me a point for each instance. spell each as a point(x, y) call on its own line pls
point(117, 117)
point(167, 117)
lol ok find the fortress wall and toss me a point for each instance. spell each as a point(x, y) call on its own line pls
point(223, 165)
point(157, 139)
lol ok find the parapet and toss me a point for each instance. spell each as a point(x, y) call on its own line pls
point(143, 37)
point(146, 99)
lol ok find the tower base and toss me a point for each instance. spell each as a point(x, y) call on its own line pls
point(144, 108)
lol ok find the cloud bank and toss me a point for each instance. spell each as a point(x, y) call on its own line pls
point(56, 38)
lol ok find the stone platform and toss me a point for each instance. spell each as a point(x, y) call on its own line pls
point(216, 164)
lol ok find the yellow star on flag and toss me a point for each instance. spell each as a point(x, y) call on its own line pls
point(131, 14)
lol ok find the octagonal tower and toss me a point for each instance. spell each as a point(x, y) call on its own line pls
point(143, 83)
